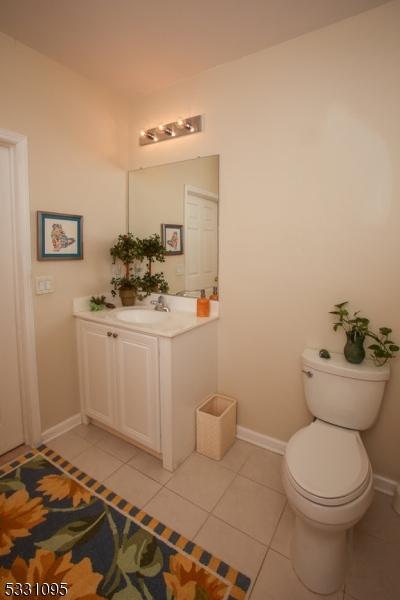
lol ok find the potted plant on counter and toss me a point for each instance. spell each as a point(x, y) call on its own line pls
point(130, 249)
point(127, 288)
point(126, 249)
point(357, 329)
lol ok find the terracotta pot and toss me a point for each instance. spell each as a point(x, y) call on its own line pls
point(128, 296)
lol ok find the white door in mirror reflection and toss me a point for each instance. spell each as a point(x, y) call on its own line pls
point(201, 244)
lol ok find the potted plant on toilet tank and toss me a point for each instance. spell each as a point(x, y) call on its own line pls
point(129, 250)
point(357, 330)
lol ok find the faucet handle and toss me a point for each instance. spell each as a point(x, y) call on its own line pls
point(160, 299)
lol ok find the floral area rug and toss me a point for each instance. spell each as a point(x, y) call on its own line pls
point(63, 534)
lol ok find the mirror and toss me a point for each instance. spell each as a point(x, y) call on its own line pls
point(180, 202)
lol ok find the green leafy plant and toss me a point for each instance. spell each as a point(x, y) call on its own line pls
point(154, 283)
point(384, 348)
point(356, 326)
point(126, 249)
point(132, 282)
point(97, 303)
point(151, 249)
point(130, 249)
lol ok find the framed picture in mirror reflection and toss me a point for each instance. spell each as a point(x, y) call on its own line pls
point(172, 238)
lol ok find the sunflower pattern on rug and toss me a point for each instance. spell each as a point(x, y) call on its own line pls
point(55, 529)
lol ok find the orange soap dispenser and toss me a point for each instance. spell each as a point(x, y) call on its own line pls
point(203, 305)
point(214, 295)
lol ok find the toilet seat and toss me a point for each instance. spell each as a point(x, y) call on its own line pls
point(327, 464)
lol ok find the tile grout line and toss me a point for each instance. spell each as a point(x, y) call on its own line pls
point(279, 521)
point(259, 571)
point(211, 511)
point(237, 472)
point(263, 484)
point(201, 527)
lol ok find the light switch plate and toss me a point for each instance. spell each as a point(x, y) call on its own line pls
point(44, 284)
point(180, 269)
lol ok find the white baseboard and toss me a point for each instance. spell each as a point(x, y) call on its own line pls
point(381, 484)
point(62, 427)
point(385, 485)
point(259, 439)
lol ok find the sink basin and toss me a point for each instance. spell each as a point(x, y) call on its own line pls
point(141, 315)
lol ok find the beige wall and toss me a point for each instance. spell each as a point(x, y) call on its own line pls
point(156, 195)
point(308, 134)
point(77, 164)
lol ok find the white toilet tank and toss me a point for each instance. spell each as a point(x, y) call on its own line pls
point(341, 393)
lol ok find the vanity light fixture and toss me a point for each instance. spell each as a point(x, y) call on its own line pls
point(149, 135)
point(178, 128)
point(186, 124)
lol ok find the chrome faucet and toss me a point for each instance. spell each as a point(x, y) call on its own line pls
point(160, 304)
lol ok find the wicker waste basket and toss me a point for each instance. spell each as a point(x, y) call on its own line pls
point(216, 425)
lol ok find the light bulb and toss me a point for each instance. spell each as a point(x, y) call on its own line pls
point(142, 133)
point(180, 122)
point(161, 128)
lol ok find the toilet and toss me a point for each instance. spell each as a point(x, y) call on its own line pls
point(326, 471)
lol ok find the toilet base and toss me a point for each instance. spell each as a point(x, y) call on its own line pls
point(319, 556)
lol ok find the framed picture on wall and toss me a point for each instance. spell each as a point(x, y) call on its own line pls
point(172, 238)
point(59, 236)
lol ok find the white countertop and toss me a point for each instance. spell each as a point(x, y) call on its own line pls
point(176, 322)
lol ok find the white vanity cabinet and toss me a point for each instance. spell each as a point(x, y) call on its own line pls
point(137, 379)
point(96, 369)
point(144, 382)
point(119, 381)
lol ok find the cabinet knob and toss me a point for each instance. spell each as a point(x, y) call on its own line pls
point(109, 333)
point(115, 335)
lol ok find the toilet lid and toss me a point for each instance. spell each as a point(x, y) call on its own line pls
point(328, 464)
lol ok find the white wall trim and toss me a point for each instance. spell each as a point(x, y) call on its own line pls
point(18, 146)
point(381, 484)
point(62, 427)
point(196, 191)
point(259, 439)
point(385, 485)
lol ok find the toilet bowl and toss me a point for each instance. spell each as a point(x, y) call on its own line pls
point(326, 472)
point(328, 480)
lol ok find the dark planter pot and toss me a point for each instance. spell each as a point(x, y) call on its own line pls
point(128, 296)
point(354, 349)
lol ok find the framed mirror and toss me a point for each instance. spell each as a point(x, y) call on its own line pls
point(180, 202)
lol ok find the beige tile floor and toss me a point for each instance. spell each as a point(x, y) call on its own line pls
point(236, 509)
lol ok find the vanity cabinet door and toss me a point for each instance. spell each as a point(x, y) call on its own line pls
point(137, 375)
point(97, 372)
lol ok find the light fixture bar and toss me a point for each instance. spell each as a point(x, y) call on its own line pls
point(178, 128)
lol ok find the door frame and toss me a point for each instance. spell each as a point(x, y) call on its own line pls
point(192, 190)
point(26, 339)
